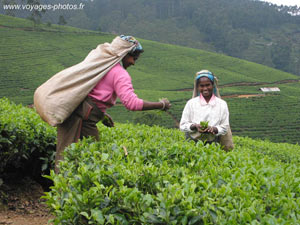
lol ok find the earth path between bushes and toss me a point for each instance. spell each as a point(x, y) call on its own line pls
point(22, 204)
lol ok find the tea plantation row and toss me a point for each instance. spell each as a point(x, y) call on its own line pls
point(167, 180)
point(273, 117)
point(163, 180)
point(29, 56)
point(27, 144)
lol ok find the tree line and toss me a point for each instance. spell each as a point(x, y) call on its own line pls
point(248, 29)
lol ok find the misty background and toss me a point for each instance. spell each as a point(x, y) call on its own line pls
point(257, 31)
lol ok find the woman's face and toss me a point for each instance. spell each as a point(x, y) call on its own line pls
point(205, 87)
point(129, 60)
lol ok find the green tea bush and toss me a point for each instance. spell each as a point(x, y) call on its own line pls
point(26, 142)
point(149, 118)
point(283, 152)
point(168, 180)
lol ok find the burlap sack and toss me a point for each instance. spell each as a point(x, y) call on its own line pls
point(225, 140)
point(58, 97)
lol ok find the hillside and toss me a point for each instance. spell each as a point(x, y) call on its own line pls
point(249, 29)
point(32, 54)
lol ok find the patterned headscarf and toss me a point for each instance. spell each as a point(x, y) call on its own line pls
point(205, 73)
point(137, 45)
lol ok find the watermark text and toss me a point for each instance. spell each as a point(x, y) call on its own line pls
point(41, 7)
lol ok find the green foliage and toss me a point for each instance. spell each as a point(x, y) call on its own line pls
point(270, 117)
point(35, 14)
point(241, 28)
point(61, 20)
point(26, 142)
point(161, 71)
point(204, 124)
point(168, 180)
point(148, 118)
point(286, 153)
point(41, 55)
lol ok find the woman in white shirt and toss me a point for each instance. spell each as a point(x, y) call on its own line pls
point(205, 106)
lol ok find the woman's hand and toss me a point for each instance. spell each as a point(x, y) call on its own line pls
point(166, 104)
point(163, 104)
point(196, 127)
point(107, 120)
point(199, 128)
point(212, 130)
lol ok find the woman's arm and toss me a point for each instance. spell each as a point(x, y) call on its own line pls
point(125, 92)
point(164, 104)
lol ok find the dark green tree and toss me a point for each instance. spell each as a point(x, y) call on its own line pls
point(61, 20)
point(37, 11)
point(281, 53)
point(9, 11)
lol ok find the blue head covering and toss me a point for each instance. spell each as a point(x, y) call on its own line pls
point(137, 45)
point(209, 75)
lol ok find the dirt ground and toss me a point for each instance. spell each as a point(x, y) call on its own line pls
point(20, 203)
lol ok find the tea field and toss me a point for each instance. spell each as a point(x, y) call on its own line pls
point(26, 142)
point(29, 55)
point(163, 179)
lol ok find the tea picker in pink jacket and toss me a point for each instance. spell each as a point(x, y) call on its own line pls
point(116, 83)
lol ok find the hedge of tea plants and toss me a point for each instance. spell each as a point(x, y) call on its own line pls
point(167, 180)
point(26, 142)
point(283, 152)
